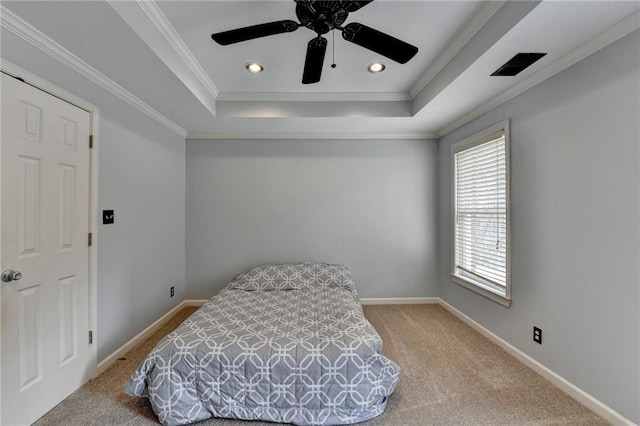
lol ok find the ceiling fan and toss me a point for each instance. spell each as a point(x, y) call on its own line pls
point(322, 16)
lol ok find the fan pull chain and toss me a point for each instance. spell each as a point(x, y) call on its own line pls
point(333, 46)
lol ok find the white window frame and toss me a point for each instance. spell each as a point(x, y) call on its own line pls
point(488, 291)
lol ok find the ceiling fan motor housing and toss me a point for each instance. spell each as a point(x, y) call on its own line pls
point(321, 16)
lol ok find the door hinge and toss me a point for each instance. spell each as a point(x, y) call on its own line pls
point(90, 141)
point(90, 337)
point(90, 239)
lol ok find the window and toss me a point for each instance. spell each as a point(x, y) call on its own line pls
point(481, 241)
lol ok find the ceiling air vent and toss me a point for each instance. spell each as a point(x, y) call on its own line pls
point(517, 64)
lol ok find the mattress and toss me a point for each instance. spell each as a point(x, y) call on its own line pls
point(280, 343)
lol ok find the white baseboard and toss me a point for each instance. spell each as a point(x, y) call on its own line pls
point(560, 382)
point(108, 361)
point(399, 300)
point(364, 301)
point(195, 302)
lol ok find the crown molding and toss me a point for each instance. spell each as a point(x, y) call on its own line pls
point(155, 14)
point(470, 30)
point(36, 38)
point(164, 27)
point(147, 20)
point(14, 70)
point(617, 31)
point(313, 97)
point(312, 135)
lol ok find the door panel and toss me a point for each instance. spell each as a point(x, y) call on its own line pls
point(67, 202)
point(68, 133)
point(45, 224)
point(68, 315)
point(29, 189)
point(29, 336)
point(30, 122)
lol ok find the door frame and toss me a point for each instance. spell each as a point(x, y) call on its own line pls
point(39, 83)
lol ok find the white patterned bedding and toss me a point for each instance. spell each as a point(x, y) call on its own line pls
point(281, 343)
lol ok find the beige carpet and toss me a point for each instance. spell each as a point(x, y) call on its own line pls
point(451, 375)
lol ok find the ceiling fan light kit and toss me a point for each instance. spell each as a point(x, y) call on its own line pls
point(322, 16)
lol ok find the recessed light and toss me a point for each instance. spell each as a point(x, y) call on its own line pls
point(376, 67)
point(254, 67)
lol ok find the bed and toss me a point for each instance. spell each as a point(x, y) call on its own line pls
point(280, 343)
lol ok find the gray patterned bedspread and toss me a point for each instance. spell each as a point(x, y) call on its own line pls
point(282, 343)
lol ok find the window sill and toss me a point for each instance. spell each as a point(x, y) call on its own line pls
point(482, 290)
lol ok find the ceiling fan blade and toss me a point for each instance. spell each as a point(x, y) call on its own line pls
point(379, 42)
point(314, 60)
point(353, 5)
point(255, 31)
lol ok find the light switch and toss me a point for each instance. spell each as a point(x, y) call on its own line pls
point(107, 217)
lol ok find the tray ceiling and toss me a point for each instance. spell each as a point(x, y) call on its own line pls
point(162, 53)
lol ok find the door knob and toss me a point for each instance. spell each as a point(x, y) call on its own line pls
point(9, 275)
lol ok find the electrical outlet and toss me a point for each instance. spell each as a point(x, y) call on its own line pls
point(537, 335)
point(173, 291)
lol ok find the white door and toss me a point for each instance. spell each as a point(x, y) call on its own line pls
point(45, 226)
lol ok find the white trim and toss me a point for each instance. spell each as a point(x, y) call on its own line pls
point(620, 29)
point(195, 302)
point(1, 315)
point(144, 334)
point(482, 136)
point(46, 86)
point(470, 30)
point(311, 135)
point(314, 97)
point(94, 221)
point(94, 111)
point(35, 37)
point(560, 382)
point(155, 14)
point(466, 143)
point(481, 289)
point(399, 300)
point(156, 325)
point(364, 301)
point(151, 25)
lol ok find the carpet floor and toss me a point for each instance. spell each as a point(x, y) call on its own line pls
point(451, 375)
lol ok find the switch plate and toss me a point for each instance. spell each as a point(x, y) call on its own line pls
point(107, 217)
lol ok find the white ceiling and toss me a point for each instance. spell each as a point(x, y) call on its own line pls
point(283, 55)
point(162, 53)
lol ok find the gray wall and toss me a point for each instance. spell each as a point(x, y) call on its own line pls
point(370, 205)
point(373, 206)
point(141, 255)
point(575, 219)
point(141, 177)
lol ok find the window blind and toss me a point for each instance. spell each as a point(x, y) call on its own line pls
point(481, 213)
